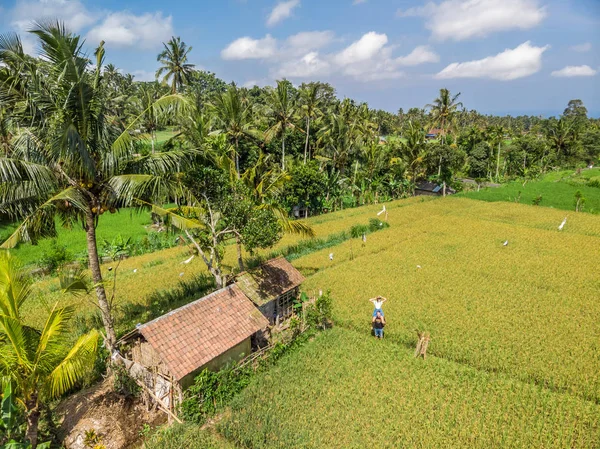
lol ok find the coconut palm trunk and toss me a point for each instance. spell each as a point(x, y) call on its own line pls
point(283, 150)
point(307, 135)
point(33, 420)
point(94, 264)
point(498, 160)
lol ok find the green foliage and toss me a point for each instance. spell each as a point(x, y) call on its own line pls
point(306, 188)
point(319, 314)
point(557, 190)
point(189, 436)
point(123, 383)
point(54, 257)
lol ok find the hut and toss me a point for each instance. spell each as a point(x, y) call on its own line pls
point(272, 287)
point(432, 189)
point(208, 333)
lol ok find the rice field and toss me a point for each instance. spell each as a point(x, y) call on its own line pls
point(529, 309)
point(344, 390)
point(514, 359)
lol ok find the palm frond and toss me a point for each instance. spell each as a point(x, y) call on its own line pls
point(176, 220)
point(57, 325)
point(79, 360)
point(41, 222)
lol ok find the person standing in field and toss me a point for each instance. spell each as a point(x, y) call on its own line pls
point(378, 303)
point(378, 325)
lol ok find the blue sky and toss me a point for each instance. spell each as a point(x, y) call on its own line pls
point(504, 56)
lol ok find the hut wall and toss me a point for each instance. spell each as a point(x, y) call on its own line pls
point(234, 354)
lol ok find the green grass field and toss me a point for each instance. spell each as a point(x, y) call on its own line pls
point(556, 189)
point(126, 223)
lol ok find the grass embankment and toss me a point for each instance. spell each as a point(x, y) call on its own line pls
point(556, 190)
point(346, 390)
point(125, 223)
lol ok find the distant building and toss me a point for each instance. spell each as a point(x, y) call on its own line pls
point(273, 287)
point(431, 189)
point(433, 133)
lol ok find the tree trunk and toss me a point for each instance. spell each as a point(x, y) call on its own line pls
point(498, 162)
point(307, 134)
point(33, 419)
point(237, 158)
point(94, 263)
point(238, 243)
point(283, 151)
point(444, 189)
point(211, 264)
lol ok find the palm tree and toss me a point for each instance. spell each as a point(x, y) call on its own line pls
point(233, 117)
point(174, 63)
point(41, 364)
point(282, 108)
point(71, 159)
point(310, 97)
point(444, 108)
point(414, 149)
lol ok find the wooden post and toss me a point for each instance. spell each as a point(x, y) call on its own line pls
point(422, 344)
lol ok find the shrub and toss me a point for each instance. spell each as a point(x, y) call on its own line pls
point(55, 256)
point(319, 314)
point(123, 383)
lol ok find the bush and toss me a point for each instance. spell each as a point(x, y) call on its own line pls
point(123, 383)
point(55, 256)
point(319, 314)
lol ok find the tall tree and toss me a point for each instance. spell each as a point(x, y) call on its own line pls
point(444, 108)
point(233, 117)
point(73, 161)
point(282, 109)
point(41, 364)
point(174, 63)
point(310, 97)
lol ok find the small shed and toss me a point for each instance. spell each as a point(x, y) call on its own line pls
point(272, 287)
point(429, 188)
point(433, 133)
point(205, 334)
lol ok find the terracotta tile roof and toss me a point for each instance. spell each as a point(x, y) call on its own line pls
point(270, 280)
point(191, 336)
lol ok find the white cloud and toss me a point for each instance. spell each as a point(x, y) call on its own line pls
point(310, 65)
point(123, 29)
point(26, 12)
point(309, 40)
point(260, 83)
point(248, 48)
point(362, 50)
point(420, 55)
point(511, 64)
point(73, 13)
point(143, 75)
point(464, 19)
point(574, 70)
point(300, 56)
point(582, 48)
point(282, 11)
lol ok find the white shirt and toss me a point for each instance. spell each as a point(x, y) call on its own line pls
point(378, 304)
